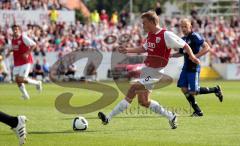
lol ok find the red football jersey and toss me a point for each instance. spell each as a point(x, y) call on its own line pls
point(158, 52)
point(19, 48)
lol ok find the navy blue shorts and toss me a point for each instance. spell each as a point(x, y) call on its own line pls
point(189, 80)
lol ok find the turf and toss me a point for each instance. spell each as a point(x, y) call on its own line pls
point(135, 127)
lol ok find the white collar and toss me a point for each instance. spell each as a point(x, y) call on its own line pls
point(160, 29)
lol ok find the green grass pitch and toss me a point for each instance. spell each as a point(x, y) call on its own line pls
point(137, 127)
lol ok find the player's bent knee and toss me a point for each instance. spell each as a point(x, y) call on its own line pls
point(192, 93)
point(144, 103)
point(20, 79)
point(134, 88)
point(184, 90)
point(139, 88)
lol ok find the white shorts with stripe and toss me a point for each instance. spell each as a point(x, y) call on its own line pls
point(149, 76)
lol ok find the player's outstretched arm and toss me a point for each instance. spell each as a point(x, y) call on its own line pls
point(174, 42)
point(131, 50)
point(205, 49)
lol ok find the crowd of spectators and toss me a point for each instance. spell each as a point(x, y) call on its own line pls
point(64, 38)
point(30, 4)
point(222, 34)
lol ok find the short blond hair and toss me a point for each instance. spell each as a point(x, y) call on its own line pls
point(186, 21)
point(151, 16)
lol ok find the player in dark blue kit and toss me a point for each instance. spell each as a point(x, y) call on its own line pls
point(189, 77)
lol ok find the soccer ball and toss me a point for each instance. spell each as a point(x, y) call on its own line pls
point(80, 124)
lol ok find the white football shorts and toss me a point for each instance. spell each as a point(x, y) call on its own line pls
point(149, 76)
point(22, 70)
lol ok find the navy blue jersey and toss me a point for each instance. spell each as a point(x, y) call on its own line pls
point(195, 41)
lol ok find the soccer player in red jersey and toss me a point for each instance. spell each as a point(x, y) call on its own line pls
point(158, 46)
point(22, 47)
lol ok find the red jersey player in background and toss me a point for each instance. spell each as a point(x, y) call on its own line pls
point(158, 46)
point(22, 47)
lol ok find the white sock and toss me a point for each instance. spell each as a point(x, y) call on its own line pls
point(23, 90)
point(157, 108)
point(32, 81)
point(120, 107)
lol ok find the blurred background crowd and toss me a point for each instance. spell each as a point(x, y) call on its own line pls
point(222, 34)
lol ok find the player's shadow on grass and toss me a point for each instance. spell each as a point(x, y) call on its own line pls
point(106, 131)
point(132, 117)
point(120, 117)
point(59, 132)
